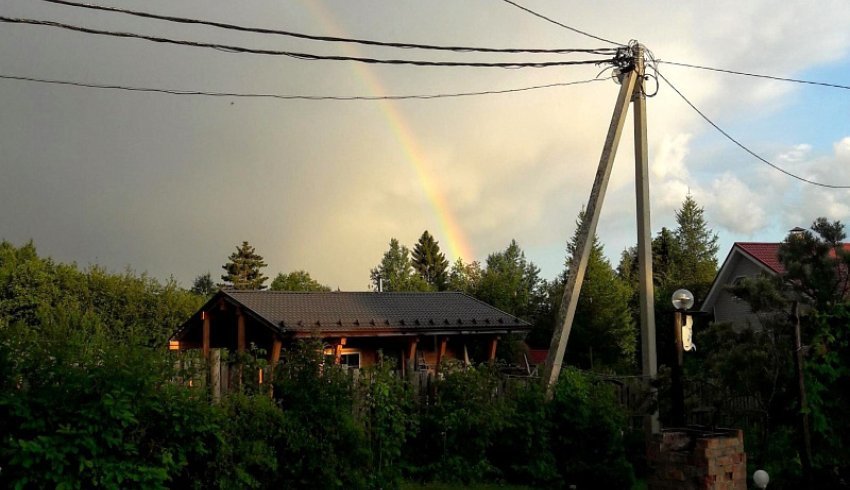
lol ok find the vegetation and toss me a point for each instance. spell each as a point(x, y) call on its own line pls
point(396, 272)
point(297, 281)
point(430, 262)
point(90, 398)
point(760, 363)
point(243, 269)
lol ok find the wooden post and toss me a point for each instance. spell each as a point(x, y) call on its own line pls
point(491, 352)
point(215, 375)
point(441, 352)
point(411, 355)
point(240, 331)
point(274, 359)
point(566, 314)
point(338, 351)
point(206, 342)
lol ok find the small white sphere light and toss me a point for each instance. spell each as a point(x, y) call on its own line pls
point(683, 299)
point(761, 478)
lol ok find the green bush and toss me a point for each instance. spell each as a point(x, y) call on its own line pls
point(80, 410)
point(323, 446)
point(586, 436)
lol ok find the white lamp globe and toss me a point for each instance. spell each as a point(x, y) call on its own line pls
point(683, 299)
point(761, 478)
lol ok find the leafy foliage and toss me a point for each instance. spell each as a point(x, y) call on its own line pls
point(396, 271)
point(243, 269)
point(587, 441)
point(323, 446)
point(463, 277)
point(203, 285)
point(82, 410)
point(297, 281)
point(511, 282)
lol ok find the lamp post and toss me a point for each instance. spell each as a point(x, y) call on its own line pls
point(682, 301)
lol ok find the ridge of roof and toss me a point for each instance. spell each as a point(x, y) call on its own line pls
point(766, 253)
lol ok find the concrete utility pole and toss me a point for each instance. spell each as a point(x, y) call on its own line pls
point(631, 90)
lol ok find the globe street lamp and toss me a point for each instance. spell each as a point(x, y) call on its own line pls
point(761, 479)
point(682, 300)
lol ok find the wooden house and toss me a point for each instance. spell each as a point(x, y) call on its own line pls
point(418, 329)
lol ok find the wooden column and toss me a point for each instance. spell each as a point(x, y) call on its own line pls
point(491, 351)
point(274, 359)
point(240, 331)
point(338, 350)
point(410, 357)
point(206, 342)
point(215, 375)
point(441, 352)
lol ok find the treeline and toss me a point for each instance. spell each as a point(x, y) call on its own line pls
point(605, 331)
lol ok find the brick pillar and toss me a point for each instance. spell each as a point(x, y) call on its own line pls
point(695, 460)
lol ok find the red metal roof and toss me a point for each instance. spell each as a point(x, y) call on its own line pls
point(766, 253)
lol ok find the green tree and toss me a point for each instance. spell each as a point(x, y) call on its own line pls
point(603, 333)
point(203, 285)
point(396, 271)
point(464, 277)
point(511, 282)
point(297, 281)
point(758, 363)
point(243, 269)
point(430, 262)
point(696, 250)
point(816, 264)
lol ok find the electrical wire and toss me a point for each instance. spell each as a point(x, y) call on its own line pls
point(553, 21)
point(259, 30)
point(757, 75)
point(741, 145)
point(295, 97)
point(301, 56)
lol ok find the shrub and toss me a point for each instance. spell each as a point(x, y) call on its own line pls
point(586, 434)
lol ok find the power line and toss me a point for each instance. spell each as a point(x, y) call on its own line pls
point(553, 21)
point(301, 56)
point(757, 75)
point(294, 97)
point(741, 145)
point(367, 42)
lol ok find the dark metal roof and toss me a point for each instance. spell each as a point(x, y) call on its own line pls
point(365, 312)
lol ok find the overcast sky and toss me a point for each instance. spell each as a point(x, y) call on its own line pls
point(171, 184)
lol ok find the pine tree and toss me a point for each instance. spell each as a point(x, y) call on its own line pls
point(429, 262)
point(243, 269)
point(696, 260)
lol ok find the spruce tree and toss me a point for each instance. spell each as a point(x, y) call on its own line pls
point(430, 262)
point(243, 269)
point(696, 264)
point(604, 332)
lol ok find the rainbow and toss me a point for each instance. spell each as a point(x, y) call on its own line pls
point(451, 230)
